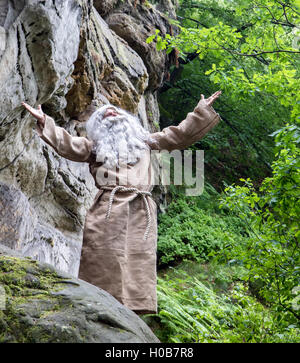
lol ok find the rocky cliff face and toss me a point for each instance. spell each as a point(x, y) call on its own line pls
point(70, 56)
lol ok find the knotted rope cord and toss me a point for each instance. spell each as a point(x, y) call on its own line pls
point(138, 192)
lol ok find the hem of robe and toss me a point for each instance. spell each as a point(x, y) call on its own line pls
point(147, 303)
point(147, 306)
point(144, 312)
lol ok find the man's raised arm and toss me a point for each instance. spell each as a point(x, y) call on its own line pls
point(70, 147)
point(197, 124)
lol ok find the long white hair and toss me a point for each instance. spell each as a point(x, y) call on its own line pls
point(118, 140)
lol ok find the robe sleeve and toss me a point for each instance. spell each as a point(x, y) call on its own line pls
point(70, 147)
point(196, 124)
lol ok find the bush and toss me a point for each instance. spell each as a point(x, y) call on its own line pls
point(272, 253)
point(195, 228)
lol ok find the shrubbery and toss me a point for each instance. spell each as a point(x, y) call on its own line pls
point(272, 254)
point(253, 233)
point(192, 228)
point(249, 50)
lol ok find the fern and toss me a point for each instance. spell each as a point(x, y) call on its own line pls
point(191, 311)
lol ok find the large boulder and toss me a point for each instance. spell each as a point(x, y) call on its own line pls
point(39, 304)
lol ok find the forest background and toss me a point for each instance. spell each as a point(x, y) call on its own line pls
point(228, 260)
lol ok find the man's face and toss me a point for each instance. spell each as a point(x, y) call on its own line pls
point(111, 112)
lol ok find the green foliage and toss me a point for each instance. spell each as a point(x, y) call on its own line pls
point(249, 50)
point(194, 227)
point(255, 50)
point(272, 254)
point(191, 311)
point(240, 144)
point(256, 233)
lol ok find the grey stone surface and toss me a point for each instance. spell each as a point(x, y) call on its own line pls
point(52, 194)
point(18, 219)
point(21, 230)
point(104, 6)
point(134, 23)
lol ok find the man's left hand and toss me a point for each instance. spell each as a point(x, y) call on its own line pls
point(210, 100)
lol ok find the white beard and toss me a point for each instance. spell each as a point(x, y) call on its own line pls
point(119, 140)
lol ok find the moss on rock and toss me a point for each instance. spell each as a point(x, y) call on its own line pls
point(29, 289)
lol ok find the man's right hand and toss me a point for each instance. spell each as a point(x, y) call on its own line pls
point(37, 113)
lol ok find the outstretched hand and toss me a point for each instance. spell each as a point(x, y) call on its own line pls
point(210, 100)
point(37, 113)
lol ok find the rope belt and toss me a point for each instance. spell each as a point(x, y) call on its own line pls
point(143, 193)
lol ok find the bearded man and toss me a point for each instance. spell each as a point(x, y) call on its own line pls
point(120, 231)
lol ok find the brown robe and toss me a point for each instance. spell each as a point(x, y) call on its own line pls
point(115, 254)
